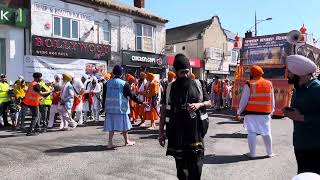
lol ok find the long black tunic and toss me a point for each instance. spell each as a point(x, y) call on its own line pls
point(183, 132)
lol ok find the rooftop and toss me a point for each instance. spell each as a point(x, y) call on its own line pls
point(115, 5)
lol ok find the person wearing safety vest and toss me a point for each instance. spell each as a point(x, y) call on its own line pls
point(32, 101)
point(4, 100)
point(45, 106)
point(257, 104)
point(117, 107)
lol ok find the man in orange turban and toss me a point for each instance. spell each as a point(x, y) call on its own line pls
point(151, 94)
point(171, 76)
point(192, 76)
point(107, 76)
point(257, 104)
point(141, 88)
point(132, 82)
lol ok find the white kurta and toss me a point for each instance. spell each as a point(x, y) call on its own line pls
point(78, 86)
point(260, 124)
point(96, 103)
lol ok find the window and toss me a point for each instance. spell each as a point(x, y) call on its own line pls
point(145, 37)
point(65, 27)
point(234, 56)
point(105, 27)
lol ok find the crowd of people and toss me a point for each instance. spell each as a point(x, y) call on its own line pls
point(179, 103)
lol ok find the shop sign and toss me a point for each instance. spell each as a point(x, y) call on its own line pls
point(60, 12)
point(11, 16)
point(144, 59)
point(62, 48)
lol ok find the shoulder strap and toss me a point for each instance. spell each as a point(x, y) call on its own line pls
point(75, 89)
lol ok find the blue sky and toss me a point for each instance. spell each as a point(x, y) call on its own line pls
point(238, 15)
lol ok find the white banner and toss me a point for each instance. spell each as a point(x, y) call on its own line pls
point(52, 66)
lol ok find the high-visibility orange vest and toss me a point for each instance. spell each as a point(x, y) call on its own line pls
point(32, 98)
point(260, 97)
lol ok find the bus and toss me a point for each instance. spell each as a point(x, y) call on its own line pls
point(270, 53)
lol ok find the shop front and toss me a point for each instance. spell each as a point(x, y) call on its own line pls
point(136, 62)
point(52, 56)
point(196, 65)
point(12, 22)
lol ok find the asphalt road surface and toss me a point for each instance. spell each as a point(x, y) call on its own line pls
point(81, 154)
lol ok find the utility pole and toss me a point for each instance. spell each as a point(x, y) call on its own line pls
point(255, 23)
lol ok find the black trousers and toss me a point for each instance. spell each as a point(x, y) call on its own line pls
point(308, 160)
point(35, 120)
point(44, 115)
point(4, 112)
point(189, 169)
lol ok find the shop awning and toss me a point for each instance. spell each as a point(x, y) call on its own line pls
point(194, 62)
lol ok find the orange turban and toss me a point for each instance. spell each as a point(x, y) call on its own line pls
point(256, 71)
point(107, 76)
point(171, 75)
point(150, 76)
point(142, 75)
point(130, 78)
point(193, 76)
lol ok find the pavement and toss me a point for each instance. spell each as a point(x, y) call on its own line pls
point(82, 154)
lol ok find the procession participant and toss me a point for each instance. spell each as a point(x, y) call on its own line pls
point(257, 104)
point(66, 102)
point(58, 79)
point(151, 95)
point(4, 100)
point(54, 109)
point(217, 90)
point(95, 95)
point(20, 89)
point(132, 82)
point(78, 104)
point(117, 107)
point(185, 129)
point(32, 101)
point(107, 77)
point(304, 113)
point(226, 95)
point(140, 107)
point(87, 100)
point(45, 104)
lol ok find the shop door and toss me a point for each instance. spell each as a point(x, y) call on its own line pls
point(2, 56)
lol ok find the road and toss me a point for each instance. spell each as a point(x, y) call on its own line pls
point(81, 154)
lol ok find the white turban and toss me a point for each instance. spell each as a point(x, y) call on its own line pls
point(301, 65)
point(306, 176)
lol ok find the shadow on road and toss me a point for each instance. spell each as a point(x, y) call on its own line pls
point(154, 136)
point(228, 122)
point(227, 159)
point(78, 149)
point(234, 135)
point(11, 135)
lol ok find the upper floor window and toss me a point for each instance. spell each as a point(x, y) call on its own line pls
point(65, 27)
point(106, 29)
point(145, 37)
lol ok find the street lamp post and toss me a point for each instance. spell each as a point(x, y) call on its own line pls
point(256, 22)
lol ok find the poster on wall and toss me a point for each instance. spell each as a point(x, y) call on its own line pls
point(270, 49)
point(52, 66)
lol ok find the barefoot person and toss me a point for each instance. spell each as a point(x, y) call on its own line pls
point(117, 106)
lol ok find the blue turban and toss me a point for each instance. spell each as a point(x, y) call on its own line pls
point(117, 70)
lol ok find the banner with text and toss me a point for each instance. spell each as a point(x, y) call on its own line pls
point(270, 49)
point(52, 66)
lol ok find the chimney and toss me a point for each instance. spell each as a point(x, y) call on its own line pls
point(139, 3)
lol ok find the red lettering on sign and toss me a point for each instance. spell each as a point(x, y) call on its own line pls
point(83, 46)
point(48, 43)
point(92, 48)
point(65, 45)
point(38, 41)
point(99, 49)
point(57, 44)
point(73, 45)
